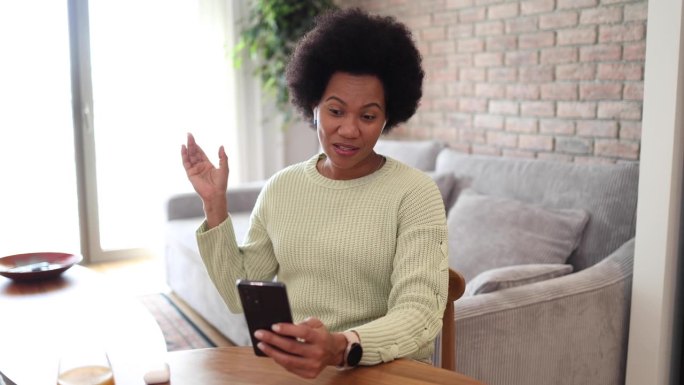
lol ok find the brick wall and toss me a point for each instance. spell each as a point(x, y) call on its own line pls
point(548, 79)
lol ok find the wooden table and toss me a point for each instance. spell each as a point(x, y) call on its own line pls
point(239, 366)
point(39, 319)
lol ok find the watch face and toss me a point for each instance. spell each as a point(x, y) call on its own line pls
point(354, 355)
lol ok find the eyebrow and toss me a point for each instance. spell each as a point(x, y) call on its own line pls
point(365, 106)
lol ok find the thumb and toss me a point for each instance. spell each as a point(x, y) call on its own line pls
point(223, 158)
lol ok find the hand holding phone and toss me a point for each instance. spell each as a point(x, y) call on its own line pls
point(265, 303)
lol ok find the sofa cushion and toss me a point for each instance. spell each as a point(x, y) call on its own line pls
point(188, 278)
point(487, 232)
point(513, 276)
point(181, 233)
point(421, 154)
point(445, 183)
point(607, 191)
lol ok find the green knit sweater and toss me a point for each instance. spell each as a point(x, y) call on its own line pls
point(368, 254)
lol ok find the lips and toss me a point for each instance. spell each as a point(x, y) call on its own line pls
point(344, 149)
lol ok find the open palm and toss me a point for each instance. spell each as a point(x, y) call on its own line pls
point(207, 180)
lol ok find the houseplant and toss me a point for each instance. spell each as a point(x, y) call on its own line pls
point(269, 36)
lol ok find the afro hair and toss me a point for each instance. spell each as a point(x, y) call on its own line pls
point(355, 42)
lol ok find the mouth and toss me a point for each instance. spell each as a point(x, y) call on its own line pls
point(344, 149)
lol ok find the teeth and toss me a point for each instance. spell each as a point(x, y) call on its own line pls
point(343, 147)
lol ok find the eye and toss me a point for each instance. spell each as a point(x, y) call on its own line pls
point(368, 117)
point(335, 111)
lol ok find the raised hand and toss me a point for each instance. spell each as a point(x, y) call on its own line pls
point(313, 349)
point(209, 182)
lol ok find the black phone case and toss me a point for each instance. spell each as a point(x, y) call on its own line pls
point(264, 303)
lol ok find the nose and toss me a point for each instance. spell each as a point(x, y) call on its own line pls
point(349, 127)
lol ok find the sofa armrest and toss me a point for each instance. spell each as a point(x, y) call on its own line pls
point(567, 330)
point(241, 199)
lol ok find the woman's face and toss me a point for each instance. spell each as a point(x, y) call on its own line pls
point(350, 118)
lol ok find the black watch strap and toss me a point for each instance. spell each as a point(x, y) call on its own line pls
point(353, 354)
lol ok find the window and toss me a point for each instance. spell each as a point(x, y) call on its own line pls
point(38, 200)
point(157, 70)
point(160, 69)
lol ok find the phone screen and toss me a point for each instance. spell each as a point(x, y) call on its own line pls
point(264, 303)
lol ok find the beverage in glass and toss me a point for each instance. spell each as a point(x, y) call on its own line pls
point(85, 367)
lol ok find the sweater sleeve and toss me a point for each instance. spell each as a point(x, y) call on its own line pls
point(419, 283)
point(226, 261)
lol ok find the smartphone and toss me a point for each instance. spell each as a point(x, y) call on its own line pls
point(265, 303)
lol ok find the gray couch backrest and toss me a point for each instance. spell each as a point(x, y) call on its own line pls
point(420, 154)
point(607, 192)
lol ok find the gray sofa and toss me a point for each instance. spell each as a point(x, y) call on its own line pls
point(546, 249)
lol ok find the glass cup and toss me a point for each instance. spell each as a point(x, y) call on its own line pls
point(85, 367)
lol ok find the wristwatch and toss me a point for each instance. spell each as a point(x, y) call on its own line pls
point(353, 352)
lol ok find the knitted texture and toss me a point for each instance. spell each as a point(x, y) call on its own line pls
point(368, 254)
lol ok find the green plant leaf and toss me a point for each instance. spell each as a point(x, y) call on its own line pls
point(269, 35)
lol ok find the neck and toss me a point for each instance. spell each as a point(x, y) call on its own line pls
point(328, 170)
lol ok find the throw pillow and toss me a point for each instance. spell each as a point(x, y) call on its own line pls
point(487, 232)
point(513, 276)
point(445, 182)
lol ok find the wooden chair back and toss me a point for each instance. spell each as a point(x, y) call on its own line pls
point(456, 289)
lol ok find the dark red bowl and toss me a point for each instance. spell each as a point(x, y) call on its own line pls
point(34, 266)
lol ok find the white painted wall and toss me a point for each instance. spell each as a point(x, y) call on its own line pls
point(652, 329)
point(267, 145)
point(301, 143)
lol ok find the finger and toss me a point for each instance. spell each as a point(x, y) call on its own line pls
point(195, 152)
point(300, 331)
point(188, 162)
point(185, 158)
point(307, 330)
point(312, 322)
point(295, 364)
point(184, 150)
point(284, 343)
point(190, 143)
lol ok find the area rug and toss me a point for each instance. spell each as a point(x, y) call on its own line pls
point(178, 329)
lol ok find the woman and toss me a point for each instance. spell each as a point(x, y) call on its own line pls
point(359, 238)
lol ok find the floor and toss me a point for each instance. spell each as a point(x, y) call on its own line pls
point(141, 276)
